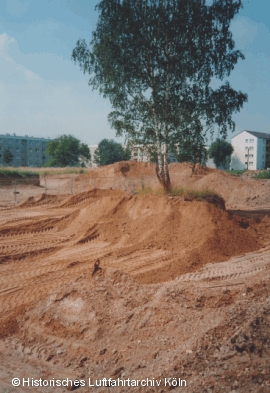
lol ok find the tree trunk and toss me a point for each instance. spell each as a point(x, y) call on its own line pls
point(162, 169)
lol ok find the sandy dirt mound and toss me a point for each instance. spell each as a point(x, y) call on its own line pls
point(124, 168)
point(187, 235)
point(128, 176)
point(74, 301)
point(131, 176)
point(188, 169)
point(42, 200)
point(176, 236)
point(238, 192)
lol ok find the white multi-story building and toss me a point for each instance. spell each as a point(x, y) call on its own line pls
point(251, 150)
point(92, 149)
point(139, 154)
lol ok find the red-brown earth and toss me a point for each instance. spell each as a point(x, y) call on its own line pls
point(108, 284)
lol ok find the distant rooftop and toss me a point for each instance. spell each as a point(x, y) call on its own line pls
point(259, 134)
point(22, 137)
point(255, 133)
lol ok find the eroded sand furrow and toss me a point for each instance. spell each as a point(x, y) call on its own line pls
point(231, 269)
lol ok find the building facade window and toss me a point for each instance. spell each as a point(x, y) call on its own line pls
point(251, 140)
point(246, 140)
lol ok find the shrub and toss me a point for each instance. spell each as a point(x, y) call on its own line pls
point(262, 175)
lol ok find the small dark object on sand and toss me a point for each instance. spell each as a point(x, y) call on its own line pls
point(96, 267)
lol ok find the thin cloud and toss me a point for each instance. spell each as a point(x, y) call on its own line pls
point(5, 42)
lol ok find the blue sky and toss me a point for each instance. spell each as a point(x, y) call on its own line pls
point(42, 92)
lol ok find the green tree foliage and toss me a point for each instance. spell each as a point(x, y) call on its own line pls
point(67, 150)
point(191, 148)
point(155, 61)
point(219, 151)
point(8, 156)
point(109, 152)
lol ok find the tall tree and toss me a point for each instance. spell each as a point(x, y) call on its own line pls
point(155, 61)
point(109, 152)
point(191, 148)
point(220, 150)
point(8, 156)
point(67, 150)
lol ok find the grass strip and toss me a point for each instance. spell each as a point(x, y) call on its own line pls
point(11, 173)
point(262, 175)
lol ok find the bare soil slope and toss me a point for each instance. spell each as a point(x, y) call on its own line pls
point(124, 168)
point(238, 192)
point(105, 284)
point(152, 237)
point(131, 176)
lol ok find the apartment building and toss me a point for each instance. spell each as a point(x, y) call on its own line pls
point(251, 150)
point(26, 151)
point(139, 154)
point(92, 149)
